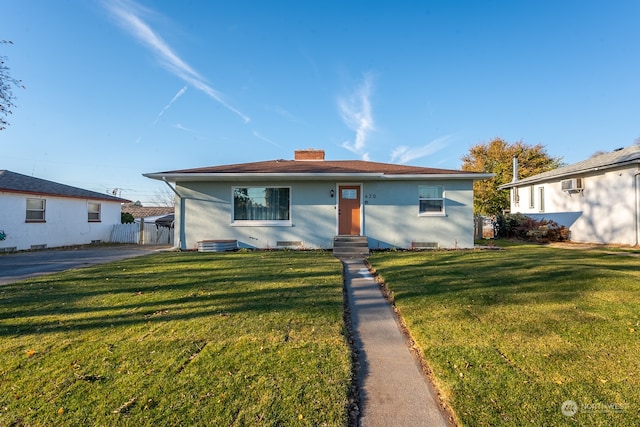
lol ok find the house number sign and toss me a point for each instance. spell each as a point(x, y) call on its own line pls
point(368, 196)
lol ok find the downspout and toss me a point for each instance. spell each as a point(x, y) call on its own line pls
point(513, 201)
point(181, 238)
point(636, 188)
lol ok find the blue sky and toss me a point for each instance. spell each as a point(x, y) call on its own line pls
point(115, 89)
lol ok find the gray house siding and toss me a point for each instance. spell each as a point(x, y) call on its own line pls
point(208, 210)
point(390, 214)
point(392, 218)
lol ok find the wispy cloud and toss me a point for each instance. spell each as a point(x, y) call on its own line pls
point(184, 128)
point(166, 107)
point(128, 15)
point(404, 154)
point(265, 139)
point(355, 111)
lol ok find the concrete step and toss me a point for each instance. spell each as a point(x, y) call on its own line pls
point(350, 246)
point(343, 239)
point(350, 253)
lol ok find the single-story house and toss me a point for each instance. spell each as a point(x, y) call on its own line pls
point(308, 201)
point(598, 199)
point(37, 214)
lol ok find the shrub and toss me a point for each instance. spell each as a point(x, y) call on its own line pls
point(507, 224)
point(526, 228)
point(126, 218)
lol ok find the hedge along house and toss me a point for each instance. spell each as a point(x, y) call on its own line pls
point(308, 201)
point(36, 213)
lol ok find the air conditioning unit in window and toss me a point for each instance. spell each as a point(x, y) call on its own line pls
point(574, 184)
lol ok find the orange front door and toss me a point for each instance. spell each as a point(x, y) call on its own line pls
point(349, 210)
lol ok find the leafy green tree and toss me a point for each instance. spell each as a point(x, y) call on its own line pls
point(127, 218)
point(496, 156)
point(6, 93)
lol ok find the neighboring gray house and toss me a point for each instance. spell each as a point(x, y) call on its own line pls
point(36, 213)
point(598, 199)
point(307, 202)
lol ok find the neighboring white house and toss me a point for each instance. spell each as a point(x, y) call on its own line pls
point(598, 199)
point(36, 213)
point(308, 201)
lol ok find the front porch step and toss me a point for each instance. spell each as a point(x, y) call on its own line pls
point(350, 246)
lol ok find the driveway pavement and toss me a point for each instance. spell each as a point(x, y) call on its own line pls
point(23, 265)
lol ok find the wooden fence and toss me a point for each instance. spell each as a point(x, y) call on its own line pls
point(484, 228)
point(148, 234)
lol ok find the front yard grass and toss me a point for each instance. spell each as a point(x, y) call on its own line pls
point(511, 335)
point(178, 339)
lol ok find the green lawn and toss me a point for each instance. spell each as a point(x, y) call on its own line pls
point(513, 334)
point(178, 339)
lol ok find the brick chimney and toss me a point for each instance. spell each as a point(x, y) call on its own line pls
point(309, 154)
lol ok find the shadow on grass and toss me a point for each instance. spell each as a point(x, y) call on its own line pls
point(169, 287)
point(483, 284)
point(482, 274)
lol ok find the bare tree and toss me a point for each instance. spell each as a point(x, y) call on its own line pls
point(6, 89)
point(165, 197)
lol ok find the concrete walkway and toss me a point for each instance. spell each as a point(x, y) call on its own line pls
point(393, 389)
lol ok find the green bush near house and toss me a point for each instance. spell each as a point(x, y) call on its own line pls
point(126, 218)
point(512, 335)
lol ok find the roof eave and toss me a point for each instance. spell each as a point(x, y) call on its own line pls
point(364, 176)
point(534, 180)
point(456, 176)
point(182, 177)
point(65, 196)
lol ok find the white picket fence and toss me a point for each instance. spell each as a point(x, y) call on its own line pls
point(151, 234)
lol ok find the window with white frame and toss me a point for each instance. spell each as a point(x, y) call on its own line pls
point(541, 201)
point(516, 196)
point(262, 205)
point(532, 195)
point(431, 199)
point(93, 212)
point(36, 209)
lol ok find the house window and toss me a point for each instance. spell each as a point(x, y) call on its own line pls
point(516, 196)
point(532, 194)
point(93, 212)
point(431, 199)
point(541, 193)
point(36, 210)
point(350, 193)
point(262, 205)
